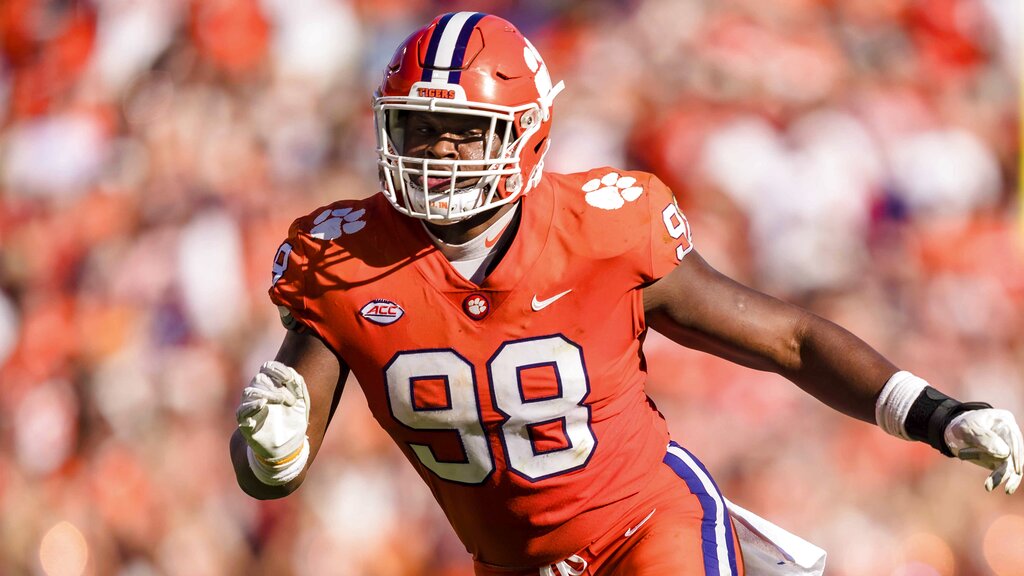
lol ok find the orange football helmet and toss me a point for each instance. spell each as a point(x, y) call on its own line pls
point(472, 64)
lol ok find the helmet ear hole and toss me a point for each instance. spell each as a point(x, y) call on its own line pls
point(536, 149)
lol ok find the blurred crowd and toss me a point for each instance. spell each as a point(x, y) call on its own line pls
point(857, 157)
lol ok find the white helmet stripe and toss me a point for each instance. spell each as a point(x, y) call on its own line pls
point(446, 47)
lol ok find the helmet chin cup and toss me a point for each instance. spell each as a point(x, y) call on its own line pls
point(403, 179)
point(434, 206)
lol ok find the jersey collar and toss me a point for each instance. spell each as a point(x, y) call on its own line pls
point(522, 254)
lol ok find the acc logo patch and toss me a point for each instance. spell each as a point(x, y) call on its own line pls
point(382, 312)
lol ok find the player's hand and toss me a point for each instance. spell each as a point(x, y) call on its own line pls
point(992, 439)
point(274, 412)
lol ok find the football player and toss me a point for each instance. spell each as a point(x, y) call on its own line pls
point(494, 315)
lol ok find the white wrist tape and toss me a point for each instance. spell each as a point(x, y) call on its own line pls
point(895, 400)
point(278, 472)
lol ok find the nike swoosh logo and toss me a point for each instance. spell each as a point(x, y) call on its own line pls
point(633, 530)
point(539, 305)
point(490, 242)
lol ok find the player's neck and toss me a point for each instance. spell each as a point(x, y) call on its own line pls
point(468, 229)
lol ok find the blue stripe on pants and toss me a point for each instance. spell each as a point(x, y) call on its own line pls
point(717, 545)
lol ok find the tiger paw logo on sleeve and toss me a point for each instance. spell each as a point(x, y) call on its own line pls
point(333, 224)
point(612, 191)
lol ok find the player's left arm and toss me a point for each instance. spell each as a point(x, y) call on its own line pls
point(700, 308)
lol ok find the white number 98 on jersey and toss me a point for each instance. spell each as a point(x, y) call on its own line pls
point(462, 413)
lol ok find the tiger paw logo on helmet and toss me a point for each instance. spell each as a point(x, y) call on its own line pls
point(473, 65)
point(612, 191)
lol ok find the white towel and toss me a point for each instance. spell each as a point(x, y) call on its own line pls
point(771, 551)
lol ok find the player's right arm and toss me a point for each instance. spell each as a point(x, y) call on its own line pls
point(324, 376)
point(285, 409)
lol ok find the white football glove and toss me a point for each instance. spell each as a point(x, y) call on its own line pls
point(273, 416)
point(991, 439)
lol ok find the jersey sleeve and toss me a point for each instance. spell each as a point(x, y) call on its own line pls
point(669, 230)
point(288, 288)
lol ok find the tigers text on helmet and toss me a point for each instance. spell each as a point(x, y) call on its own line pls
point(470, 64)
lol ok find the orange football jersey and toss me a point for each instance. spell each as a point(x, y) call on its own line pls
point(520, 401)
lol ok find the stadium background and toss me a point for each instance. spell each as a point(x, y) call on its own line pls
point(858, 157)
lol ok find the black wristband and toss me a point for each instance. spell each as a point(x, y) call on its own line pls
point(931, 413)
